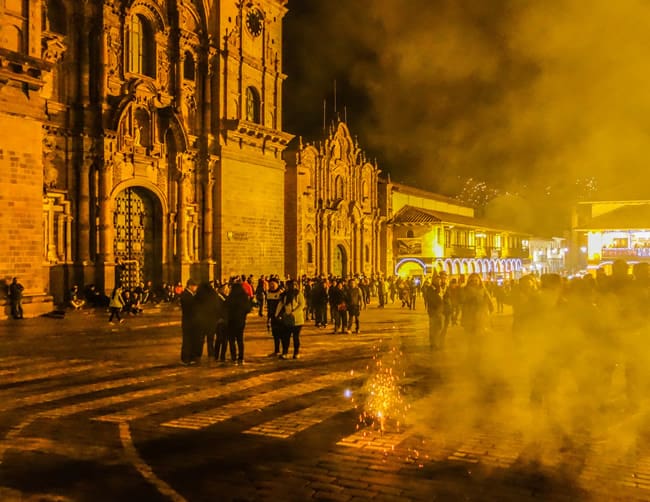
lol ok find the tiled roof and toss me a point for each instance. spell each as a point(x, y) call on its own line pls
point(631, 217)
point(410, 215)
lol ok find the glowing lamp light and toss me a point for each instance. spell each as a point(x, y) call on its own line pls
point(583, 249)
point(347, 393)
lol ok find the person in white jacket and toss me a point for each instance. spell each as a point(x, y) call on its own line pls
point(291, 305)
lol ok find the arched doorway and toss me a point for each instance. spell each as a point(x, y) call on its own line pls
point(137, 243)
point(340, 263)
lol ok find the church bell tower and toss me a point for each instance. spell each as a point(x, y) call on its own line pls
point(249, 169)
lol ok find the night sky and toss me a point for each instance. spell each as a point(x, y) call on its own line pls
point(541, 99)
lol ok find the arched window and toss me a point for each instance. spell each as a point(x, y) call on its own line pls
point(409, 234)
point(367, 253)
point(338, 187)
point(188, 66)
point(54, 17)
point(142, 47)
point(310, 253)
point(253, 105)
point(364, 190)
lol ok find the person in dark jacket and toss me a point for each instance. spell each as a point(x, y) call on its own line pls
point(293, 304)
point(205, 318)
point(319, 296)
point(238, 305)
point(16, 298)
point(437, 303)
point(221, 327)
point(188, 323)
point(273, 297)
point(339, 306)
point(354, 301)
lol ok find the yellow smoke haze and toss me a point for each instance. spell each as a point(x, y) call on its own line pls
point(532, 93)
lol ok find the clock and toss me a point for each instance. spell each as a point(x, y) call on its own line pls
point(254, 20)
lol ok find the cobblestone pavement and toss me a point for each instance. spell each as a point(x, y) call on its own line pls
point(94, 411)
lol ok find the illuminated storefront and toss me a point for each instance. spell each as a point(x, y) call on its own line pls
point(612, 230)
point(427, 240)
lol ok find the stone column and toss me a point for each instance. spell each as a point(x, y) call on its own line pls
point(320, 248)
point(83, 213)
point(106, 256)
point(181, 228)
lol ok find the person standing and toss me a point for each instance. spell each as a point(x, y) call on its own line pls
point(339, 306)
point(116, 304)
point(205, 318)
point(188, 322)
point(354, 300)
point(221, 324)
point(381, 292)
point(238, 305)
point(292, 304)
point(320, 299)
point(260, 294)
point(475, 313)
point(435, 304)
point(273, 298)
point(16, 298)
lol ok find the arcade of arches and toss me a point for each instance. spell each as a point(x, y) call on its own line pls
point(510, 268)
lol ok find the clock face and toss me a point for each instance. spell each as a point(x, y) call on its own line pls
point(254, 20)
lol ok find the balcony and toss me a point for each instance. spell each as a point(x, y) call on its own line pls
point(625, 253)
point(461, 252)
point(493, 252)
point(521, 253)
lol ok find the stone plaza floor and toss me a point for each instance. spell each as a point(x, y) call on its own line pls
point(97, 411)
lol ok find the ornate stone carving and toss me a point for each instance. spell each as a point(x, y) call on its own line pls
point(50, 161)
point(113, 52)
point(53, 47)
point(163, 70)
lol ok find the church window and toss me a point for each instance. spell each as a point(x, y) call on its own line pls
point(142, 47)
point(188, 66)
point(409, 234)
point(338, 187)
point(55, 18)
point(310, 253)
point(253, 105)
point(13, 34)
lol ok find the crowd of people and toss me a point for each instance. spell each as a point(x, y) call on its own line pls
point(582, 328)
point(607, 310)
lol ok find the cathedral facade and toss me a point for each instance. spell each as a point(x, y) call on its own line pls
point(334, 216)
point(142, 133)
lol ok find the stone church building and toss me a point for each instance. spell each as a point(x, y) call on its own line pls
point(333, 221)
point(149, 133)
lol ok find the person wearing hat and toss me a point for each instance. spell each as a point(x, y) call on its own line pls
point(188, 324)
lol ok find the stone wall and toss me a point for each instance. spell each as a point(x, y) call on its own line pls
point(252, 217)
point(21, 213)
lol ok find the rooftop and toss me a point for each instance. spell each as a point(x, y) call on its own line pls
point(418, 192)
point(410, 215)
point(633, 217)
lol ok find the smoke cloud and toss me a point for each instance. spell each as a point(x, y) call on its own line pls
point(529, 96)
